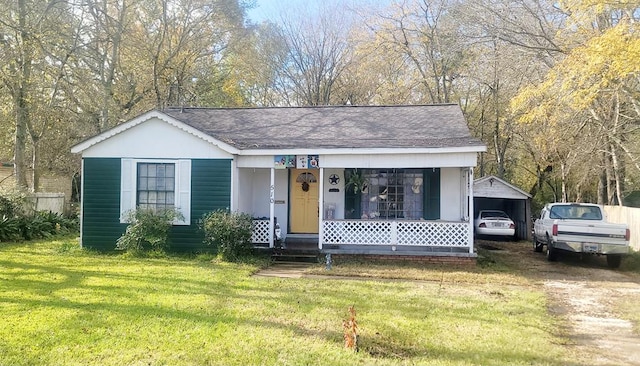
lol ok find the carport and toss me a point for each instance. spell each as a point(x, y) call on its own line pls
point(493, 193)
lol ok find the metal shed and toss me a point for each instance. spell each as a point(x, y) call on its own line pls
point(493, 193)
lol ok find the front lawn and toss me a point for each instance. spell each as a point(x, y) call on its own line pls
point(64, 306)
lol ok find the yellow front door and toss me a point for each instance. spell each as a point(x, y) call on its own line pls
point(303, 216)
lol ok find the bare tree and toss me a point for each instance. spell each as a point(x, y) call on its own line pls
point(316, 56)
point(38, 39)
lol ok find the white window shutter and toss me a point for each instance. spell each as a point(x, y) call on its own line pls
point(183, 191)
point(127, 188)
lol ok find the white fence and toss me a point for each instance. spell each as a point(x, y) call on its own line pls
point(53, 202)
point(383, 232)
point(629, 216)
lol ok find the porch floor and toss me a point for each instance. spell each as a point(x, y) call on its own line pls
point(399, 250)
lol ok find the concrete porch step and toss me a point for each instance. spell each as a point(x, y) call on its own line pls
point(295, 257)
point(301, 248)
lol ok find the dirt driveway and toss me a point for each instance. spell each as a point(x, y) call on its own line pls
point(587, 297)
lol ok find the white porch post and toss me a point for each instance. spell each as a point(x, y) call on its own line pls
point(470, 214)
point(272, 206)
point(320, 207)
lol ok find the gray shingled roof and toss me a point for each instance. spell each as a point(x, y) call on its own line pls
point(422, 126)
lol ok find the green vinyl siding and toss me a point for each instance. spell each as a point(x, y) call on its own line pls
point(431, 194)
point(101, 225)
point(210, 191)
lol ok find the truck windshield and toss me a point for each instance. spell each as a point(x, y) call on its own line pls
point(575, 212)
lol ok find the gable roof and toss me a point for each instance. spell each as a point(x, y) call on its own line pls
point(330, 127)
point(494, 187)
point(420, 126)
point(80, 147)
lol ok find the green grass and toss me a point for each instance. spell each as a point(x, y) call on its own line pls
point(64, 306)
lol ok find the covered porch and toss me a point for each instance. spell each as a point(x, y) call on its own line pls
point(354, 221)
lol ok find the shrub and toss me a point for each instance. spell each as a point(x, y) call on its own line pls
point(59, 223)
point(148, 230)
point(19, 220)
point(36, 227)
point(229, 232)
point(14, 203)
point(10, 229)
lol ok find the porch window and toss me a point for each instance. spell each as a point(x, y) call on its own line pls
point(393, 194)
point(411, 194)
point(156, 186)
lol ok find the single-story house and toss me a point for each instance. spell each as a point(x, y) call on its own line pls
point(493, 193)
point(354, 179)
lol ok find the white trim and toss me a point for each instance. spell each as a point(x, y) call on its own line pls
point(128, 188)
point(489, 177)
point(182, 187)
point(182, 196)
point(320, 207)
point(470, 185)
point(145, 117)
point(272, 206)
point(363, 151)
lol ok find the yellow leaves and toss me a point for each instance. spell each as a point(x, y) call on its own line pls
point(596, 69)
point(603, 64)
point(596, 14)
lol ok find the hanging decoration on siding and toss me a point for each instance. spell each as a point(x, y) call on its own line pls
point(284, 161)
point(307, 161)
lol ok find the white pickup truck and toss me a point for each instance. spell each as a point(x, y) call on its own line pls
point(579, 228)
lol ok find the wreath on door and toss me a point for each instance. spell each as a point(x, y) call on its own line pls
point(305, 179)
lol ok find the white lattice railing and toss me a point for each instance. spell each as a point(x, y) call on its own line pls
point(415, 233)
point(260, 233)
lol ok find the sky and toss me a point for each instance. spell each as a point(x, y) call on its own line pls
point(271, 9)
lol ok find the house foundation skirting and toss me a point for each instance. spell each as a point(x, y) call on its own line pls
point(432, 259)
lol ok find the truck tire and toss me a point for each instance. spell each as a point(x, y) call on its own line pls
point(537, 246)
point(552, 254)
point(614, 260)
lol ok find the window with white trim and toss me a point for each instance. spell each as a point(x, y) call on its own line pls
point(157, 185)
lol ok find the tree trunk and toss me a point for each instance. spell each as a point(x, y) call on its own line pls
point(602, 180)
point(21, 98)
point(602, 185)
point(563, 183)
point(35, 174)
point(616, 175)
point(22, 116)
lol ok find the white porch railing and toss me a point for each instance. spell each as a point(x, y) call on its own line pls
point(383, 232)
point(260, 233)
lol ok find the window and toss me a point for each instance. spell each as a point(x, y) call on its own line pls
point(156, 186)
point(393, 194)
point(575, 212)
